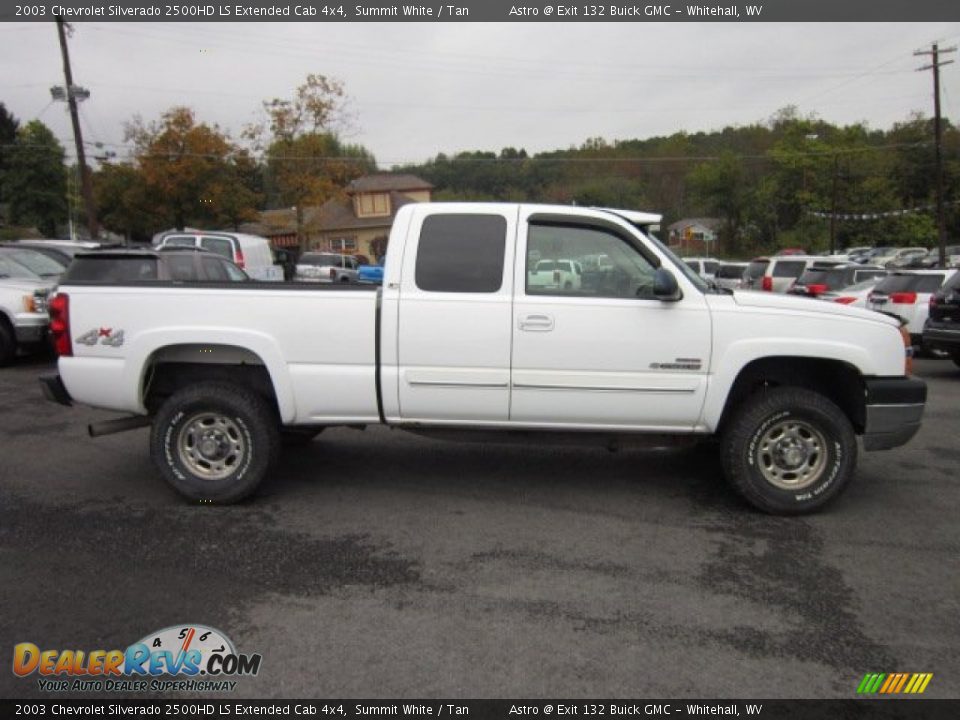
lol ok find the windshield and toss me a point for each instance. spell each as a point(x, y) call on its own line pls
point(9, 268)
point(37, 262)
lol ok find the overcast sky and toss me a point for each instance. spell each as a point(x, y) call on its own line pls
point(420, 89)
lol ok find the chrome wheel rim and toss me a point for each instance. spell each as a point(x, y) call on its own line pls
point(792, 455)
point(211, 445)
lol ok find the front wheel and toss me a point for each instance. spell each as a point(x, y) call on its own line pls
point(213, 442)
point(789, 451)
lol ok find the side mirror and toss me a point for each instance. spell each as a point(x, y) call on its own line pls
point(665, 286)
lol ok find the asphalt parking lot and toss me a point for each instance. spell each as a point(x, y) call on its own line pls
point(379, 564)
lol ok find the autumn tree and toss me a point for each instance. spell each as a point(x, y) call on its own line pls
point(306, 161)
point(35, 181)
point(122, 200)
point(191, 171)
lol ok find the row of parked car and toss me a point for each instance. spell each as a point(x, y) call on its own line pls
point(926, 300)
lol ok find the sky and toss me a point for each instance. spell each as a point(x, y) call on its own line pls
point(418, 89)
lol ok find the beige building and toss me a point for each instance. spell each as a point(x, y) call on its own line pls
point(356, 224)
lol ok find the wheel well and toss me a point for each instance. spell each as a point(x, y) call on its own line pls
point(173, 368)
point(6, 322)
point(834, 379)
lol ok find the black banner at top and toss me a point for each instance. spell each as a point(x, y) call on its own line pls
point(483, 11)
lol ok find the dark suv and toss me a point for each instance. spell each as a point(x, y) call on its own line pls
point(942, 329)
point(174, 265)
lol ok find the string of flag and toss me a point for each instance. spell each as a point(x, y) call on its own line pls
point(877, 215)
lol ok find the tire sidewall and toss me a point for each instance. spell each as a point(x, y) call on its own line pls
point(841, 451)
point(167, 427)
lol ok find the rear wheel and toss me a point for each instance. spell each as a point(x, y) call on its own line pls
point(789, 451)
point(213, 442)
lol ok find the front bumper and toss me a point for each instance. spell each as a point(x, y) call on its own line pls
point(894, 409)
point(31, 330)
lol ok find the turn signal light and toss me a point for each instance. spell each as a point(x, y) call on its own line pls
point(845, 300)
point(816, 289)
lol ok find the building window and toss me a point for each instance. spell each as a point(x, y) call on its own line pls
point(343, 245)
point(373, 204)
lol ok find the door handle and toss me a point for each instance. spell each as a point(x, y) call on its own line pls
point(536, 323)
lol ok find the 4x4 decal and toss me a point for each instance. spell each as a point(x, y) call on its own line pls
point(110, 338)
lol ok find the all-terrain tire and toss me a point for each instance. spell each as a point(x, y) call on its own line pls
point(213, 442)
point(789, 451)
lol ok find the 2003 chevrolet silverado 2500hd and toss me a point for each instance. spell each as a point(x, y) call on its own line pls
point(459, 341)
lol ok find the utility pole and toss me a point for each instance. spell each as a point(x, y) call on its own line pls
point(935, 65)
point(833, 205)
point(86, 188)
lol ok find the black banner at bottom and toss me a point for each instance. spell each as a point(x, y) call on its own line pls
point(910, 709)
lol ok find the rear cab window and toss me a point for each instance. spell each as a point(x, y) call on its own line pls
point(461, 253)
point(107, 268)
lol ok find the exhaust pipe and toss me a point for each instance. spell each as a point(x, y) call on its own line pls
point(110, 427)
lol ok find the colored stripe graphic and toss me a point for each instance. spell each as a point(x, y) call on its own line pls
point(894, 683)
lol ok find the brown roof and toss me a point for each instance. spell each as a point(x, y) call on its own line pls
point(385, 182)
point(335, 214)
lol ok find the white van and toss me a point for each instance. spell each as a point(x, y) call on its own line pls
point(250, 252)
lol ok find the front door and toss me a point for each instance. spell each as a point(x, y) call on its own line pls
point(604, 351)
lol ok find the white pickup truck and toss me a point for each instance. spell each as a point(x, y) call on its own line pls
point(459, 343)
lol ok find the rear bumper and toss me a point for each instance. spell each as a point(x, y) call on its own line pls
point(54, 390)
point(942, 336)
point(894, 409)
point(31, 331)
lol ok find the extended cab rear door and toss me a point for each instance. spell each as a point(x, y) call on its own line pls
point(454, 314)
point(606, 353)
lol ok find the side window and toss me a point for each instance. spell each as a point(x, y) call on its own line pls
point(213, 269)
point(180, 241)
point(221, 246)
point(461, 253)
point(181, 267)
point(233, 272)
point(789, 268)
point(608, 265)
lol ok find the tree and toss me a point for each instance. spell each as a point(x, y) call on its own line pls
point(721, 186)
point(8, 136)
point(191, 171)
point(121, 197)
point(35, 181)
point(306, 163)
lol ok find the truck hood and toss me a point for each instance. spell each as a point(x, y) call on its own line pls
point(794, 303)
point(26, 285)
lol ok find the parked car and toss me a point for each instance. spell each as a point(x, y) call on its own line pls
point(853, 295)
point(817, 279)
point(789, 251)
point(906, 294)
point(41, 265)
point(704, 267)
point(23, 309)
point(555, 274)
point(370, 274)
point(251, 253)
point(730, 275)
point(60, 250)
point(164, 264)
point(896, 254)
point(326, 268)
point(942, 329)
point(780, 272)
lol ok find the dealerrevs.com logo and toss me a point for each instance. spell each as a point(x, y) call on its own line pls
point(185, 657)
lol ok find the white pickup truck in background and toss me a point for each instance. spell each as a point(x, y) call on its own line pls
point(459, 343)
